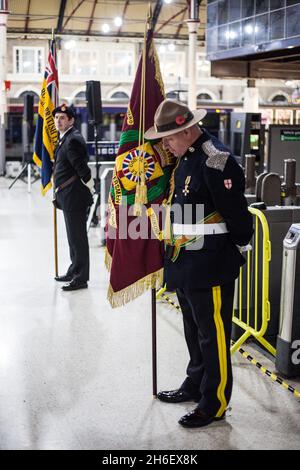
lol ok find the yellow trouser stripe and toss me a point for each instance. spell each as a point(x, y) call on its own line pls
point(221, 349)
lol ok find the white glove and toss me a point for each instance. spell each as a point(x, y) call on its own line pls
point(244, 248)
point(90, 184)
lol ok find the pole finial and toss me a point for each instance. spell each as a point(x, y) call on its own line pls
point(149, 15)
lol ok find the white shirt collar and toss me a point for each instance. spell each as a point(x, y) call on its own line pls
point(61, 134)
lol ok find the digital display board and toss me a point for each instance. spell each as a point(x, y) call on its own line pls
point(238, 28)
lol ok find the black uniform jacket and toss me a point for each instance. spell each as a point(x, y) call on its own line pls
point(214, 179)
point(71, 159)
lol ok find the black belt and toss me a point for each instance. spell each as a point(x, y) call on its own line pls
point(66, 183)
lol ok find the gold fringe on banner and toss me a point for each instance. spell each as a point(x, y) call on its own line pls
point(153, 280)
point(107, 260)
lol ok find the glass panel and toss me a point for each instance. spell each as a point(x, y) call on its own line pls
point(276, 25)
point(28, 61)
point(292, 21)
point(261, 28)
point(212, 15)
point(247, 32)
point(247, 8)
point(223, 37)
point(17, 61)
point(234, 35)
point(275, 4)
point(120, 64)
point(39, 61)
point(291, 2)
point(222, 11)
point(84, 63)
point(212, 40)
point(261, 6)
point(234, 10)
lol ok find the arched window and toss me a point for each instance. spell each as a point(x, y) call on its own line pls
point(279, 99)
point(120, 95)
point(204, 97)
point(31, 93)
point(173, 95)
point(81, 96)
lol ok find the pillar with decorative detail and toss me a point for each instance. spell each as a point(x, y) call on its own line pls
point(3, 101)
point(193, 25)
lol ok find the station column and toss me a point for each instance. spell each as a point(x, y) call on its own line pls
point(251, 97)
point(3, 101)
point(193, 25)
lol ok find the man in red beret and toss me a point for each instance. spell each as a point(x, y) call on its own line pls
point(73, 185)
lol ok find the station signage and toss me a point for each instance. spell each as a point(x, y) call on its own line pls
point(290, 135)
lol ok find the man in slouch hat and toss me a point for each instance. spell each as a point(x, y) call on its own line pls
point(203, 254)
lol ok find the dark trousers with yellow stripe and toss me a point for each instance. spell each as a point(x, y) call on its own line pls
point(207, 320)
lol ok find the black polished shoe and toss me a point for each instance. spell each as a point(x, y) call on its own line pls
point(176, 396)
point(75, 285)
point(64, 278)
point(198, 418)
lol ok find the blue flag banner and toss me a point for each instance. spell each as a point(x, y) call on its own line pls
point(46, 133)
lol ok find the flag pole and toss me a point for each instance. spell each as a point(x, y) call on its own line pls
point(55, 241)
point(154, 344)
point(153, 290)
point(55, 219)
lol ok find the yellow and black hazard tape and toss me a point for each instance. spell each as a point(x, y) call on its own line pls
point(170, 301)
point(270, 374)
point(248, 356)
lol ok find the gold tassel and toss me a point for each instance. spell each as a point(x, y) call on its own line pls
point(140, 199)
point(153, 280)
point(137, 208)
point(143, 193)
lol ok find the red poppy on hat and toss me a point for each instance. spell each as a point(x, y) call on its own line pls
point(180, 120)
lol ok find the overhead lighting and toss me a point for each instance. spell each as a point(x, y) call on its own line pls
point(248, 29)
point(162, 48)
point(230, 34)
point(105, 28)
point(171, 47)
point(118, 21)
point(70, 44)
point(168, 1)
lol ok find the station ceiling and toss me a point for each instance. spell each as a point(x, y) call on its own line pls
point(87, 17)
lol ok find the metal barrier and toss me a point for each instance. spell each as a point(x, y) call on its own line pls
point(250, 322)
point(161, 295)
point(251, 286)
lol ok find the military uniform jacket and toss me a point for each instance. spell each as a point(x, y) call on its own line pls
point(210, 176)
point(71, 159)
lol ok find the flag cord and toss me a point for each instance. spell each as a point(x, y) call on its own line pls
point(141, 188)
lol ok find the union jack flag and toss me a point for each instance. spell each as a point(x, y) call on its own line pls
point(46, 133)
